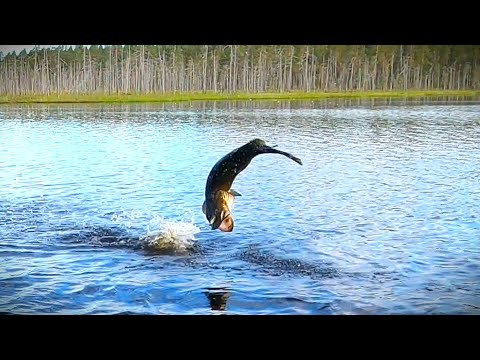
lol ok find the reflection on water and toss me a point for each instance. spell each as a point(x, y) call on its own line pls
point(218, 298)
point(100, 208)
point(21, 111)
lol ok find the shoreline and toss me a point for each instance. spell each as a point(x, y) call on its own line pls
point(182, 97)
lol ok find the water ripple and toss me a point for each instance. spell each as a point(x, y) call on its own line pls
point(382, 218)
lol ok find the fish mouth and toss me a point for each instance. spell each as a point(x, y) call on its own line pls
point(224, 223)
point(265, 149)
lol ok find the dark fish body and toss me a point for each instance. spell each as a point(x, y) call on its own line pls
point(219, 196)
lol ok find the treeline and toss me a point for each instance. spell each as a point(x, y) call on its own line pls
point(146, 69)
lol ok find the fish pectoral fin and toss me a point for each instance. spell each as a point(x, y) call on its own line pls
point(235, 193)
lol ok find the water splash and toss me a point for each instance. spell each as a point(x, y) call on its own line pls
point(169, 235)
point(127, 229)
point(128, 219)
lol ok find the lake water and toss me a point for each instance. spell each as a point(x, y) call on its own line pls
point(100, 209)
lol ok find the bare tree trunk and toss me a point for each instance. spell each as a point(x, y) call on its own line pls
point(214, 72)
point(290, 75)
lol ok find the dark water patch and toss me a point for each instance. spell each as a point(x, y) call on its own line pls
point(276, 266)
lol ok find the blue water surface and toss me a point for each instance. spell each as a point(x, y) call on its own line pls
point(382, 218)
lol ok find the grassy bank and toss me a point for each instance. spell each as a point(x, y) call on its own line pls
point(129, 98)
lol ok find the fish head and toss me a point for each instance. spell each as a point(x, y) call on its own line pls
point(260, 147)
point(222, 218)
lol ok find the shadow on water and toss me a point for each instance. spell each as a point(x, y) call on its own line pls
point(166, 243)
point(277, 267)
point(97, 235)
point(118, 237)
point(217, 298)
point(267, 262)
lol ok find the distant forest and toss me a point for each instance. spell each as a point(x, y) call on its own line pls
point(147, 69)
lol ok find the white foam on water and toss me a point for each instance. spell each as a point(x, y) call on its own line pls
point(169, 235)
